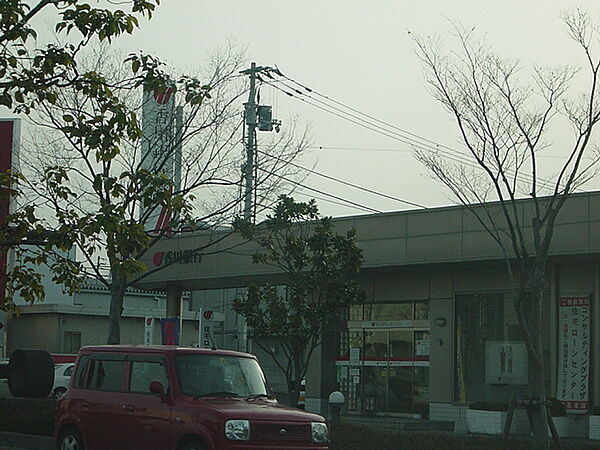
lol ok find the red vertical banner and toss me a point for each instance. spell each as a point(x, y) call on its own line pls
point(170, 331)
point(7, 134)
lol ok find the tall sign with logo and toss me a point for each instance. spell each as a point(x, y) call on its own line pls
point(208, 322)
point(574, 353)
point(161, 151)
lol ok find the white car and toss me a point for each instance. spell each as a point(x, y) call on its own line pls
point(62, 376)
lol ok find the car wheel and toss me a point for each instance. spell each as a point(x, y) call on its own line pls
point(70, 440)
point(193, 445)
point(58, 393)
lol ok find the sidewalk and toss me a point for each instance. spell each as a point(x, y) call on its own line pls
point(18, 441)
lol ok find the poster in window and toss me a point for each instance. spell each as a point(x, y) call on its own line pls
point(574, 353)
point(506, 362)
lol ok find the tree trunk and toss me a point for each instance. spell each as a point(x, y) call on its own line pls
point(531, 311)
point(294, 385)
point(117, 293)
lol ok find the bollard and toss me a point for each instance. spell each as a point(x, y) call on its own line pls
point(336, 401)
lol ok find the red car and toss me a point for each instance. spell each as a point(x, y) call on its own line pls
point(166, 397)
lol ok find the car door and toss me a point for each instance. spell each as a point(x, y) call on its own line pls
point(145, 415)
point(96, 401)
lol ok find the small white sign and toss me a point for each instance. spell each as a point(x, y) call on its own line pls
point(148, 330)
point(422, 347)
point(356, 380)
point(354, 372)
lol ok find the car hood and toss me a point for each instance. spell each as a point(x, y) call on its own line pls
point(257, 409)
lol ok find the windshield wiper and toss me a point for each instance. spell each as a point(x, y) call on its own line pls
point(253, 396)
point(219, 394)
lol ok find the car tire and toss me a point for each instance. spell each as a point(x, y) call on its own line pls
point(58, 393)
point(30, 373)
point(194, 444)
point(70, 439)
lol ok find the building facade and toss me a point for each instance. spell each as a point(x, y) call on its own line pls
point(436, 333)
point(438, 329)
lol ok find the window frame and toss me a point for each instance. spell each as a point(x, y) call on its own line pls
point(84, 365)
point(145, 359)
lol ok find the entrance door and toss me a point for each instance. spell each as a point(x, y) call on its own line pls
point(395, 375)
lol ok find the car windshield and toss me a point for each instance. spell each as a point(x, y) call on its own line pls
point(204, 375)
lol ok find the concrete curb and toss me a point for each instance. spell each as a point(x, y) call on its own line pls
point(25, 441)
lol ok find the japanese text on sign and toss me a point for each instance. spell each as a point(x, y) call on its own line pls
point(574, 353)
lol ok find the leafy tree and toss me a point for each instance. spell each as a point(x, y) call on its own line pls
point(320, 270)
point(31, 76)
point(505, 126)
point(108, 201)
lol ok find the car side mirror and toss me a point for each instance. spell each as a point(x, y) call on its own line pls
point(156, 387)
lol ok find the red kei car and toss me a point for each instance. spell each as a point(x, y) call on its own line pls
point(166, 397)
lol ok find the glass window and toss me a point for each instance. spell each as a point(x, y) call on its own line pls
point(389, 311)
point(422, 311)
point(491, 362)
point(81, 371)
point(401, 345)
point(68, 371)
point(375, 344)
point(145, 372)
point(356, 312)
point(105, 375)
point(203, 375)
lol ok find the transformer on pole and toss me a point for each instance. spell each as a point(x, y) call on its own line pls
point(255, 116)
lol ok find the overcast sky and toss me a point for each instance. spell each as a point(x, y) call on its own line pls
point(360, 54)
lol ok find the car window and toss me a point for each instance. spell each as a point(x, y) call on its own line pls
point(201, 374)
point(68, 371)
point(105, 375)
point(145, 372)
point(80, 374)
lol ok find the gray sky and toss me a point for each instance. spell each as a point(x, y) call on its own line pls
point(359, 53)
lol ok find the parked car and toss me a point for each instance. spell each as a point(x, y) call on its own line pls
point(62, 376)
point(175, 398)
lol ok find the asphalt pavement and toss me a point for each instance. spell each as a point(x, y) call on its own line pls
point(18, 441)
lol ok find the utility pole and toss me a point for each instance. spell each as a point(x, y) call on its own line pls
point(254, 116)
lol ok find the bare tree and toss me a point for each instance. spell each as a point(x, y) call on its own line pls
point(110, 200)
point(505, 124)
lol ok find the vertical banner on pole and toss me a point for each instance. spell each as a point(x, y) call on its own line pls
point(170, 331)
point(148, 330)
point(574, 353)
point(10, 130)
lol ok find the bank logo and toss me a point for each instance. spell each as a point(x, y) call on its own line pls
point(179, 257)
point(163, 97)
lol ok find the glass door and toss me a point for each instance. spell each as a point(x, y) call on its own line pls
point(400, 374)
point(395, 371)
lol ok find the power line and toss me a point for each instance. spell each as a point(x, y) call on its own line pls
point(424, 143)
point(297, 183)
point(376, 128)
point(324, 199)
point(347, 183)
